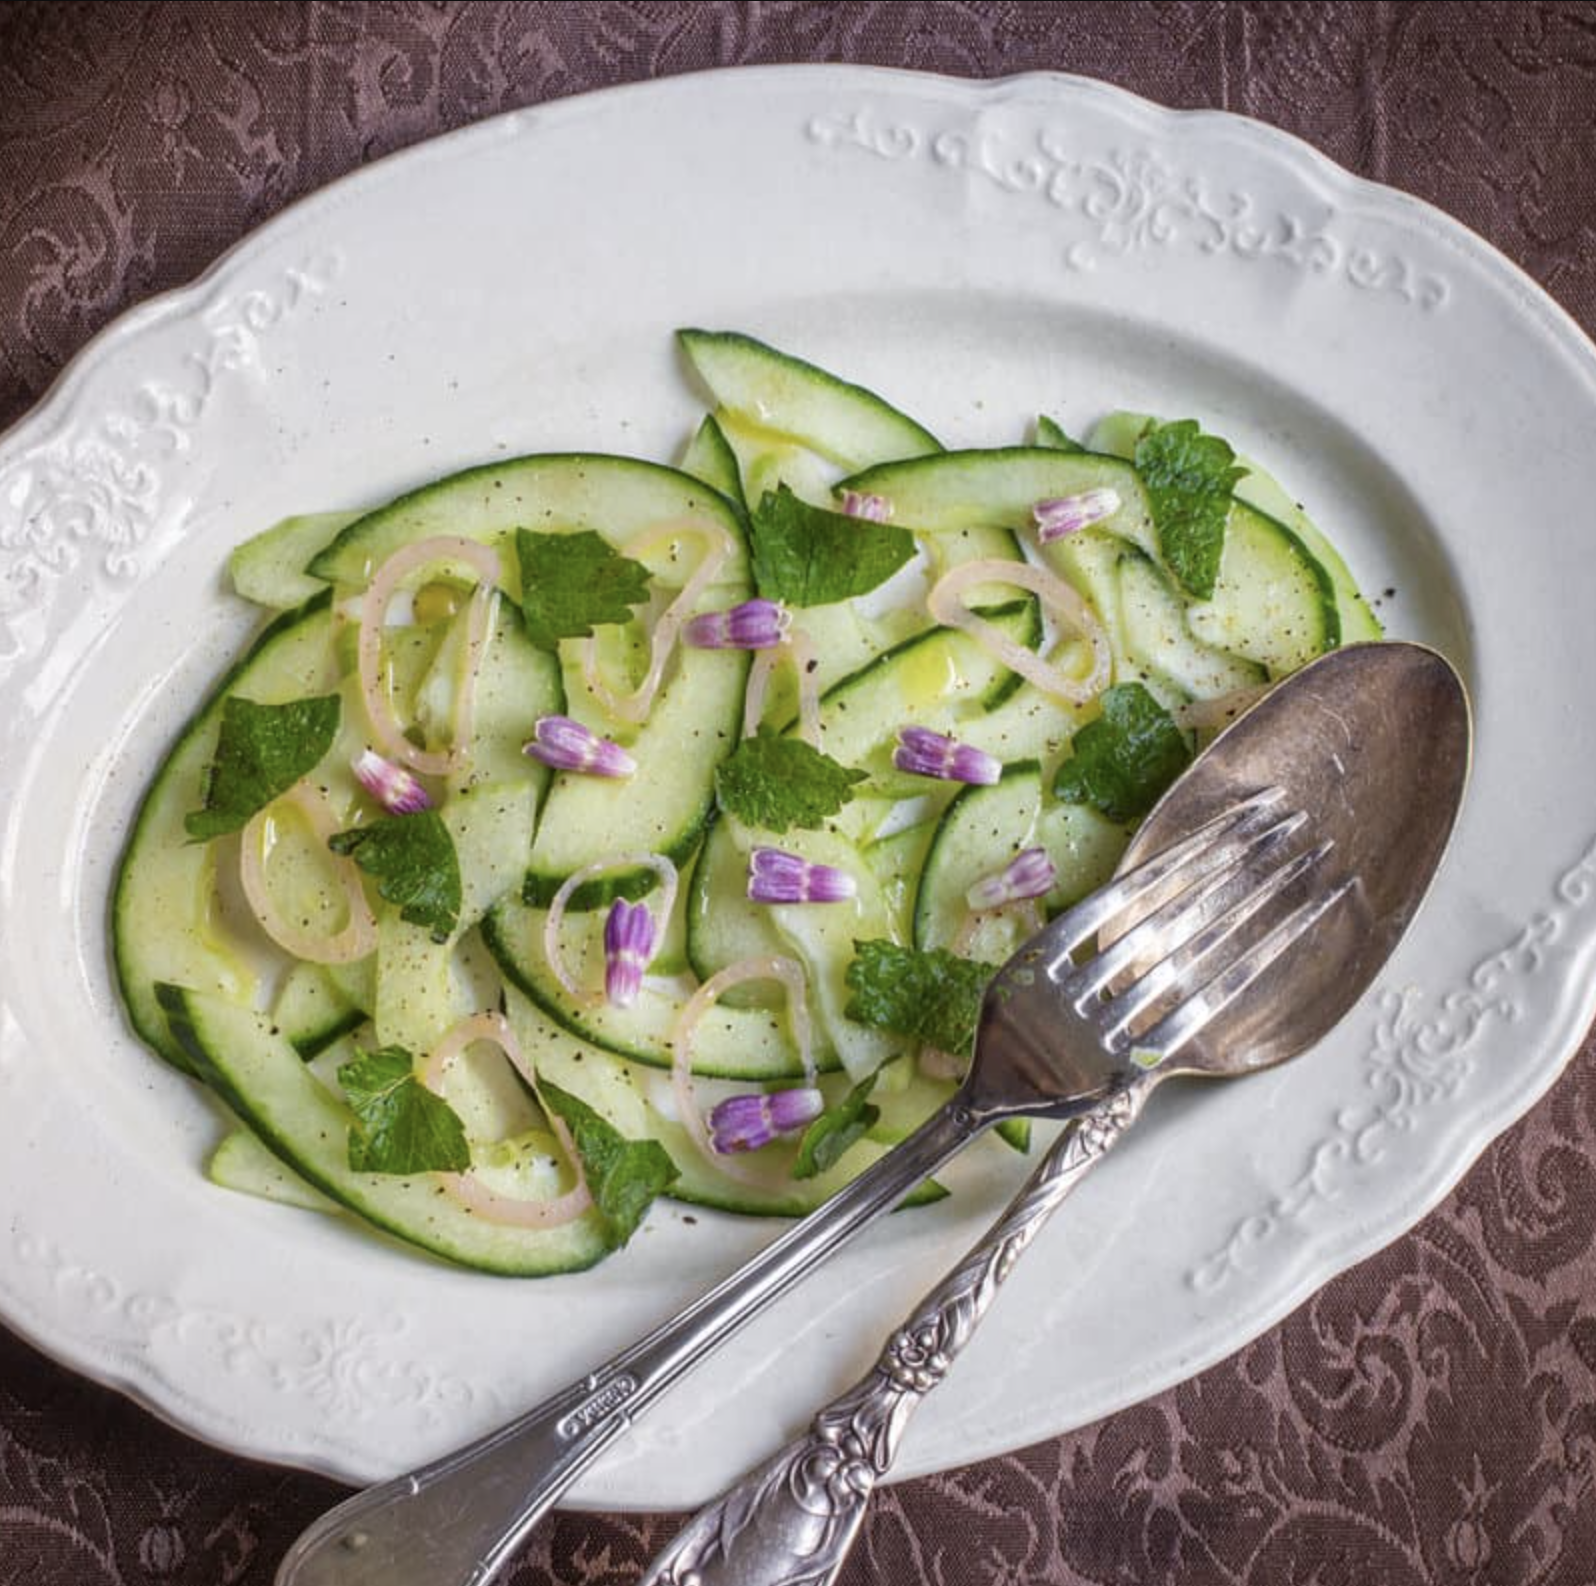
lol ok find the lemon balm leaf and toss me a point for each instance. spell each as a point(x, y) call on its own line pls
point(412, 860)
point(1121, 763)
point(623, 1176)
point(572, 582)
point(777, 783)
point(934, 997)
point(1190, 479)
point(261, 752)
point(400, 1125)
point(805, 555)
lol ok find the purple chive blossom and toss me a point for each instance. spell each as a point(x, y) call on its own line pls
point(1028, 875)
point(746, 1122)
point(754, 625)
point(1061, 515)
point(568, 746)
point(628, 946)
point(390, 785)
point(927, 753)
point(775, 876)
point(861, 504)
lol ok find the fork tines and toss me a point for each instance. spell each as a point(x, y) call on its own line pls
point(1187, 903)
point(1221, 845)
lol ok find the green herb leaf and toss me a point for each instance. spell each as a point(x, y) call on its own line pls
point(776, 783)
point(835, 1130)
point(261, 751)
point(623, 1175)
point(569, 582)
point(1121, 763)
point(934, 997)
point(810, 556)
point(1190, 478)
point(401, 1126)
point(413, 860)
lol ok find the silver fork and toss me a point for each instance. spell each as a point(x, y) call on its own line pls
point(792, 1520)
point(1056, 1042)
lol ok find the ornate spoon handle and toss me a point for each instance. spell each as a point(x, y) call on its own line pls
point(792, 1521)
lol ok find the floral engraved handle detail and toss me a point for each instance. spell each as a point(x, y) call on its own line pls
point(1129, 201)
point(792, 1521)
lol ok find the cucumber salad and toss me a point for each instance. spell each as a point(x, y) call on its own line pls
point(579, 829)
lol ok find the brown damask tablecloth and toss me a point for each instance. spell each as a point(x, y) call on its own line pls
point(1428, 1417)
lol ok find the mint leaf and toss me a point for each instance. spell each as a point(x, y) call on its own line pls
point(413, 860)
point(400, 1125)
point(835, 1130)
point(569, 582)
point(261, 751)
point(809, 556)
point(934, 997)
point(623, 1175)
point(1190, 478)
point(776, 783)
point(1121, 763)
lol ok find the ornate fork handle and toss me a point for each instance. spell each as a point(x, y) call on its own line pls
point(792, 1521)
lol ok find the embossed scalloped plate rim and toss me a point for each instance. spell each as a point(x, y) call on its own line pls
point(1075, 248)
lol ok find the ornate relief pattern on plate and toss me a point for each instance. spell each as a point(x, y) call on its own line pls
point(1127, 201)
point(1414, 1061)
point(96, 487)
point(347, 1368)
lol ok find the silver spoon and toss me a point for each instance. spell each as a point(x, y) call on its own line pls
point(1374, 742)
point(457, 1521)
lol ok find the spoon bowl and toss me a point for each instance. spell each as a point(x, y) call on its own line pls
point(1374, 742)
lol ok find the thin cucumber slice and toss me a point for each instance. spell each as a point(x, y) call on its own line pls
point(639, 1101)
point(621, 498)
point(313, 1010)
point(516, 684)
point(1119, 432)
point(723, 927)
point(165, 921)
point(293, 1113)
point(1273, 604)
point(709, 457)
point(1158, 637)
point(422, 986)
point(941, 679)
point(695, 723)
point(269, 569)
point(999, 487)
point(729, 927)
point(844, 422)
point(730, 1042)
point(982, 830)
point(1050, 433)
point(242, 1163)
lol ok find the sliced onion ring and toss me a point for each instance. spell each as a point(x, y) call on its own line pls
point(586, 997)
point(718, 546)
point(467, 1188)
point(798, 649)
point(391, 740)
point(359, 935)
point(771, 967)
point(947, 606)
